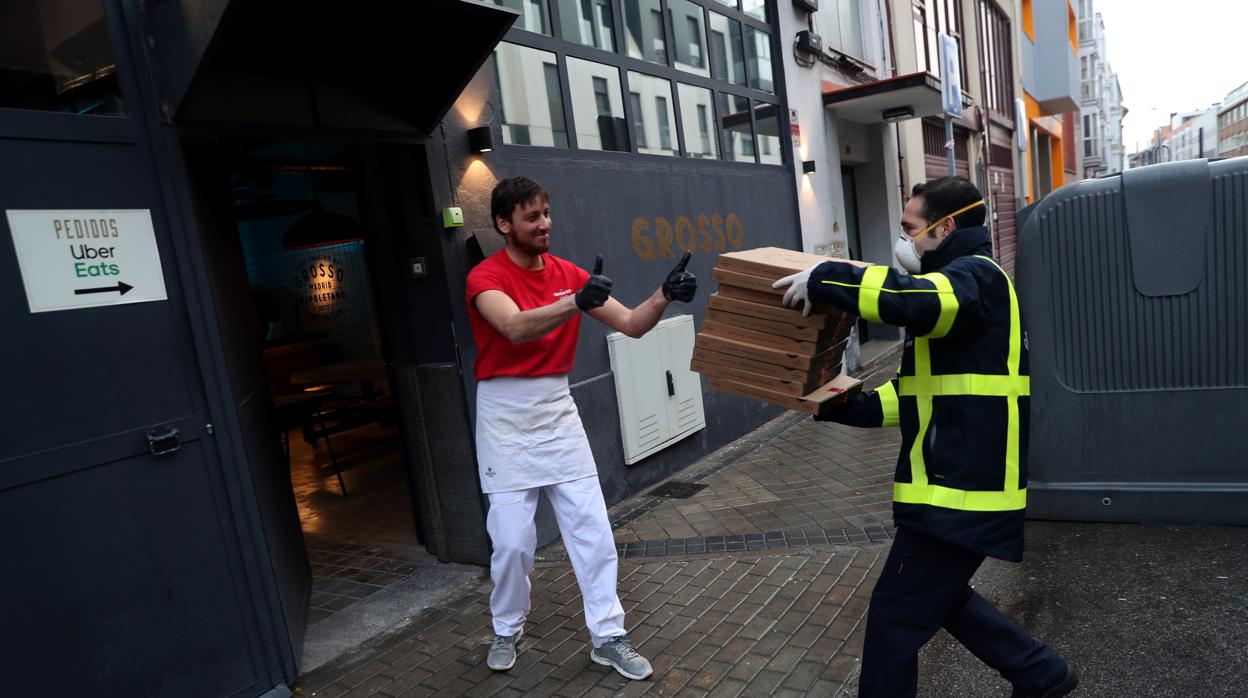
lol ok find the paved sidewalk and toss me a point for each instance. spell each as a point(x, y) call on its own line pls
point(758, 585)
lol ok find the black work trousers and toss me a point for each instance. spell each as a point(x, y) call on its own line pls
point(923, 588)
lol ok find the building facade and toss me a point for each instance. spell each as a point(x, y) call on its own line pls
point(311, 186)
point(1050, 71)
point(1101, 109)
point(844, 159)
point(989, 147)
point(1232, 123)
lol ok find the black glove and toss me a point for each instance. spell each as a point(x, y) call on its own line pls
point(832, 409)
point(596, 291)
point(680, 284)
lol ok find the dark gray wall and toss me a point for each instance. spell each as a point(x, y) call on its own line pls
point(598, 200)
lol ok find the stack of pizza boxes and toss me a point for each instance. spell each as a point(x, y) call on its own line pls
point(753, 346)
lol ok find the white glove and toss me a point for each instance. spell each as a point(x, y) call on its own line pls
point(798, 293)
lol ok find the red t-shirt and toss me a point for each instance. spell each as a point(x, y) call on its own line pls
point(550, 355)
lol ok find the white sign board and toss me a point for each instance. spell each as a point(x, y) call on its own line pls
point(950, 75)
point(87, 258)
point(795, 129)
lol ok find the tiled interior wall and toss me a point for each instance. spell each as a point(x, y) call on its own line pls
point(323, 289)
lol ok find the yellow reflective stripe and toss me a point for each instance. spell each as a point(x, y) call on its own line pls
point(962, 500)
point(923, 386)
point(1013, 365)
point(966, 384)
point(1014, 358)
point(869, 294)
point(888, 405)
point(923, 408)
point(948, 303)
point(1011, 446)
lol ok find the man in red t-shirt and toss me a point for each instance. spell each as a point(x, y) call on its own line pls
point(525, 306)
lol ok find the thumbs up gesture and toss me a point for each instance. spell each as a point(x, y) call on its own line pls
point(596, 290)
point(680, 284)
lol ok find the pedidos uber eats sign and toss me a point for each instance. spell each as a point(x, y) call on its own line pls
point(84, 259)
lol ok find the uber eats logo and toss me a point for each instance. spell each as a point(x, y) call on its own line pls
point(88, 245)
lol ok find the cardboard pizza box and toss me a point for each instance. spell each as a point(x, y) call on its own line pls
point(736, 361)
point(769, 355)
point(741, 333)
point(763, 311)
point(779, 385)
point(750, 322)
point(839, 388)
point(768, 262)
point(761, 284)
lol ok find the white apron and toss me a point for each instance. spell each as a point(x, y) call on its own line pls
point(529, 434)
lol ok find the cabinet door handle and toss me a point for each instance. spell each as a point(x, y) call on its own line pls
point(671, 385)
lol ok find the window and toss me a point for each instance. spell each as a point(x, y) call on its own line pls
point(597, 107)
point(734, 120)
point(663, 113)
point(688, 35)
point(653, 114)
point(643, 30)
point(758, 59)
point(695, 115)
point(767, 120)
point(587, 22)
point(58, 58)
point(639, 120)
point(841, 26)
point(727, 59)
point(995, 54)
point(930, 18)
point(704, 130)
point(531, 106)
point(587, 86)
point(533, 15)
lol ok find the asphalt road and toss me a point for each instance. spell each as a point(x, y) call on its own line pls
point(1141, 610)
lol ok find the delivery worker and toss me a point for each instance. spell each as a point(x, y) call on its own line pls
point(525, 306)
point(961, 399)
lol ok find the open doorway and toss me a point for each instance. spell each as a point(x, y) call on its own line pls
point(287, 235)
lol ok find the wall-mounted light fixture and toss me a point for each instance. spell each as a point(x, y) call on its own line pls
point(898, 114)
point(480, 139)
point(808, 167)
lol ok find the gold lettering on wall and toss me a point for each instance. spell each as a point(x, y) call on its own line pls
point(713, 232)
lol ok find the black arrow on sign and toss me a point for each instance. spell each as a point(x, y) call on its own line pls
point(120, 288)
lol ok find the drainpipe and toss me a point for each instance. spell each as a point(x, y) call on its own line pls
point(986, 122)
point(892, 57)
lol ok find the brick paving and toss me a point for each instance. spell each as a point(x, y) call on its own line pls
point(345, 573)
point(756, 585)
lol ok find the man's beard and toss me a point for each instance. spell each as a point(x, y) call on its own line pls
point(531, 247)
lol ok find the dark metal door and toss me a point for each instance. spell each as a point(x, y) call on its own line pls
point(130, 563)
point(239, 327)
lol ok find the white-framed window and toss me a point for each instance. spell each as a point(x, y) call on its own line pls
point(840, 25)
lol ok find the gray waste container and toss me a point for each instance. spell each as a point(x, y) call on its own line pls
point(1134, 291)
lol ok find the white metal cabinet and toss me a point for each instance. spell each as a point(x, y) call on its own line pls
point(660, 399)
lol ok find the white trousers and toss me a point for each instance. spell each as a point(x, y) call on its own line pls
point(582, 516)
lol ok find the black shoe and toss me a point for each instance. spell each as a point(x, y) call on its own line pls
point(1061, 688)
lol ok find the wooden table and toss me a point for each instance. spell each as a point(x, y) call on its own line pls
point(363, 370)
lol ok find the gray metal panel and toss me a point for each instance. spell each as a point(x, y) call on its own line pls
point(436, 435)
point(1154, 224)
point(1137, 400)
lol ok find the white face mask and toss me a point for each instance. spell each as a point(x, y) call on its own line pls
point(907, 255)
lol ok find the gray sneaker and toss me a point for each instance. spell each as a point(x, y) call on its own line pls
point(618, 652)
point(503, 652)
